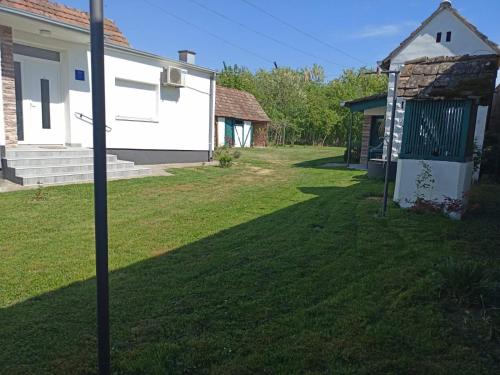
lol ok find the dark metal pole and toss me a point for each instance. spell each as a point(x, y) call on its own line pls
point(100, 188)
point(391, 139)
point(349, 145)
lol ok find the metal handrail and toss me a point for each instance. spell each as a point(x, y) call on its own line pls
point(89, 120)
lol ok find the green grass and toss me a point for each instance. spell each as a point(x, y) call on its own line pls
point(275, 265)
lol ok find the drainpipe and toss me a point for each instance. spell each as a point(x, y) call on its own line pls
point(212, 117)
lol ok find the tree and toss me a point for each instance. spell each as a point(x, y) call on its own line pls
point(302, 106)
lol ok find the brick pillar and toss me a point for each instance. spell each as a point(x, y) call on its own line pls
point(8, 86)
point(365, 139)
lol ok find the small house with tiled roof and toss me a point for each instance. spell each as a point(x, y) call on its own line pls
point(444, 75)
point(45, 100)
point(240, 119)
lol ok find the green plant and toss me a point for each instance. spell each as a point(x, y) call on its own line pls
point(464, 281)
point(39, 194)
point(224, 156)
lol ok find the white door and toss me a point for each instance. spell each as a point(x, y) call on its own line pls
point(239, 135)
point(42, 102)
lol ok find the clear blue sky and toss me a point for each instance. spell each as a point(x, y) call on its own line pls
point(365, 29)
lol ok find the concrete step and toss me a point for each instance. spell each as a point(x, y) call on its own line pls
point(63, 169)
point(39, 153)
point(53, 161)
point(66, 178)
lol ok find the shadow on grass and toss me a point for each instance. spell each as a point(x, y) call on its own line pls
point(305, 289)
point(319, 163)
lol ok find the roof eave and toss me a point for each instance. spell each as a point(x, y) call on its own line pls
point(123, 48)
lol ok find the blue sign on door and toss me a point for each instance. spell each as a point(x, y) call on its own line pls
point(80, 75)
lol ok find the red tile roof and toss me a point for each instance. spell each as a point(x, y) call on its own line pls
point(64, 14)
point(238, 104)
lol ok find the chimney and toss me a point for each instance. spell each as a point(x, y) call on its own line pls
point(187, 56)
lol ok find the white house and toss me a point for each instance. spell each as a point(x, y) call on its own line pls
point(444, 33)
point(159, 110)
point(448, 72)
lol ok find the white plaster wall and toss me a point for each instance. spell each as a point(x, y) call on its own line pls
point(481, 121)
point(452, 180)
point(183, 120)
point(221, 130)
point(463, 42)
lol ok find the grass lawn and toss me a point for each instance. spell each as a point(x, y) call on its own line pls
point(273, 266)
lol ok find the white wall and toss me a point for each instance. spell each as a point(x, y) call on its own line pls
point(481, 121)
point(221, 131)
point(182, 121)
point(463, 42)
point(183, 115)
point(451, 179)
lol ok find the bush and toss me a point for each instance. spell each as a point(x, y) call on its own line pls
point(225, 156)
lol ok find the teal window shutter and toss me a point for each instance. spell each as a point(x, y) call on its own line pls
point(437, 130)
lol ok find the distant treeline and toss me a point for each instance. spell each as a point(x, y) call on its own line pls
point(303, 106)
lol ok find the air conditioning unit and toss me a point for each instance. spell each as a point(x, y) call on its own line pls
point(173, 76)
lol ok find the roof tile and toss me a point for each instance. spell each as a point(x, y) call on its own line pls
point(65, 14)
point(238, 104)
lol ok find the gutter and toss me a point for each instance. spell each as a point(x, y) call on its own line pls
point(211, 121)
point(83, 30)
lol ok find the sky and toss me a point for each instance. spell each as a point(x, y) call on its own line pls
point(335, 34)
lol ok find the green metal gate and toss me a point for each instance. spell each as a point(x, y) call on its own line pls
point(437, 130)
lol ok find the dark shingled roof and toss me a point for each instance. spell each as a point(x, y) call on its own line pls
point(444, 5)
point(64, 14)
point(449, 77)
point(238, 104)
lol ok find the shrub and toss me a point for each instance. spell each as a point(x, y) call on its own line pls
point(226, 161)
point(225, 156)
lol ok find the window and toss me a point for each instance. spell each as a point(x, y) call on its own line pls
point(45, 87)
point(19, 101)
point(135, 101)
point(439, 37)
point(448, 36)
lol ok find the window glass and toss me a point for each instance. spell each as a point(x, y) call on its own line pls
point(45, 87)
